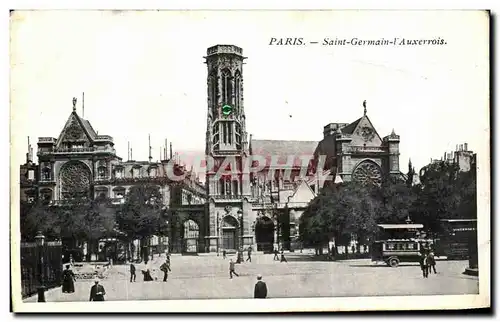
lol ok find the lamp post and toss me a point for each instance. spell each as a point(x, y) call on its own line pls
point(40, 240)
point(218, 232)
point(240, 216)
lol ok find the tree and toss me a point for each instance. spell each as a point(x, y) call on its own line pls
point(38, 216)
point(142, 214)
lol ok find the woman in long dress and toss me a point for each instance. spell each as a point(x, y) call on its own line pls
point(68, 285)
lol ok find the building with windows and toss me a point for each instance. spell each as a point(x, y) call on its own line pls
point(239, 209)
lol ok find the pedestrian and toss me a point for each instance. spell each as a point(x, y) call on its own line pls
point(165, 268)
point(97, 292)
point(283, 259)
point(147, 275)
point(432, 262)
point(132, 272)
point(231, 269)
point(249, 254)
point(224, 254)
point(276, 257)
point(68, 284)
point(424, 265)
point(260, 291)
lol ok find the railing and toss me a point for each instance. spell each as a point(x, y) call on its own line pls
point(226, 197)
point(40, 265)
point(357, 149)
point(46, 140)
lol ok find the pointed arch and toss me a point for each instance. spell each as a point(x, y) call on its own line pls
point(212, 91)
point(237, 91)
point(227, 86)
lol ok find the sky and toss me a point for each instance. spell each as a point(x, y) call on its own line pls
point(144, 73)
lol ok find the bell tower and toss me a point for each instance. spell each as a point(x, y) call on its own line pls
point(226, 115)
point(226, 143)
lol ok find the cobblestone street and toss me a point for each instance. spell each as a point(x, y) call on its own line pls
point(203, 277)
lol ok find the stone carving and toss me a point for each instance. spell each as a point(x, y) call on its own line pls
point(367, 133)
point(74, 131)
point(75, 177)
point(368, 173)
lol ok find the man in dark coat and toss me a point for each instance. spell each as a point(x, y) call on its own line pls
point(276, 258)
point(260, 291)
point(97, 292)
point(165, 268)
point(249, 254)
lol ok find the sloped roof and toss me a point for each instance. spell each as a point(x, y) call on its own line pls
point(88, 127)
point(282, 149)
point(349, 129)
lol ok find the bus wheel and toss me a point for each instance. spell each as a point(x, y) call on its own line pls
point(393, 262)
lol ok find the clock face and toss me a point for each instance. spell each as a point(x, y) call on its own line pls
point(227, 109)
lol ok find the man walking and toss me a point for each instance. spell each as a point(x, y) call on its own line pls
point(224, 254)
point(432, 262)
point(249, 254)
point(132, 272)
point(260, 291)
point(276, 258)
point(165, 268)
point(283, 259)
point(231, 269)
point(97, 292)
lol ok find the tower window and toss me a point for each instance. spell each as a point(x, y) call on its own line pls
point(227, 87)
point(31, 174)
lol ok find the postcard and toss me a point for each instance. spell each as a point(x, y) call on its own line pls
point(249, 161)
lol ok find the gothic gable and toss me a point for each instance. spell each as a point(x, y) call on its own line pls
point(365, 134)
point(303, 193)
point(74, 132)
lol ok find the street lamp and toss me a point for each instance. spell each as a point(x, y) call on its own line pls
point(240, 216)
point(40, 240)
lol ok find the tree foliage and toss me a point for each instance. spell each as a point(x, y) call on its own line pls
point(340, 210)
point(142, 213)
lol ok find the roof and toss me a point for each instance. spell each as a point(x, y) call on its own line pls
point(400, 226)
point(282, 150)
point(88, 127)
point(349, 129)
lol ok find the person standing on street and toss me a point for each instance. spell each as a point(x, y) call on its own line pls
point(276, 258)
point(432, 262)
point(132, 272)
point(97, 292)
point(231, 269)
point(249, 254)
point(260, 291)
point(283, 259)
point(165, 268)
point(224, 254)
point(68, 284)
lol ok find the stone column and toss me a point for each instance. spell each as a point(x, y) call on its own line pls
point(276, 241)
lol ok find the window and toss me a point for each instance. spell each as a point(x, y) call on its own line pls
point(227, 87)
point(119, 173)
point(31, 174)
point(46, 174)
point(135, 172)
point(101, 172)
point(152, 172)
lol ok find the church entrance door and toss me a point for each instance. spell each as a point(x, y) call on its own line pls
point(229, 239)
point(264, 234)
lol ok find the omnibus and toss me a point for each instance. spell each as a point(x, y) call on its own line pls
point(394, 251)
point(457, 238)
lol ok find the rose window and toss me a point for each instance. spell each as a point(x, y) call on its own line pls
point(368, 173)
point(75, 178)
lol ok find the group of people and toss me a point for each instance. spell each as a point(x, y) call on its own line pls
point(146, 273)
point(97, 291)
point(427, 262)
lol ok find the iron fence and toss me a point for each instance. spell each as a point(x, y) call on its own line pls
point(40, 266)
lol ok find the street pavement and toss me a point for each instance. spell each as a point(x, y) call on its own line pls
point(207, 277)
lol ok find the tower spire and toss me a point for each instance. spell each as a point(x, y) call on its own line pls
point(83, 104)
point(128, 151)
point(170, 150)
point(74, 104)
point(364, 107)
